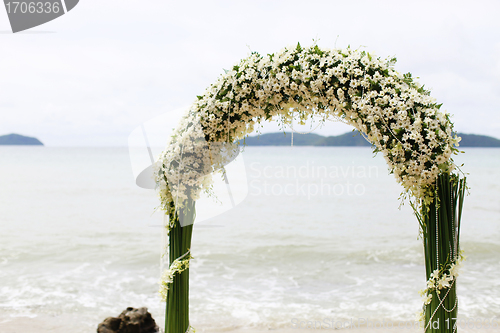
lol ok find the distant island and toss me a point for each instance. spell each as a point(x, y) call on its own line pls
point(19, 140)
point(351, 139)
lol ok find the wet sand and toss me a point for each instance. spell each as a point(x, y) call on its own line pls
point(73, 324)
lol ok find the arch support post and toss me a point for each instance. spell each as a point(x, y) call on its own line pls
point(441, 231)
point(177, 296)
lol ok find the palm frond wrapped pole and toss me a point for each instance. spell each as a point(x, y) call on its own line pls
point(440, 223)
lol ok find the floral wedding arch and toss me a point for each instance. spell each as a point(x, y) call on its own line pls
point(393, 111)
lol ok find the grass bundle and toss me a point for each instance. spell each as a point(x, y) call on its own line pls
point(440, 223)
point(177, 300)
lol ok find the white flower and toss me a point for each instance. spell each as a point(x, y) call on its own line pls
point(262, 88)
point(420, 316)
point(455, 269)
point(444, 282)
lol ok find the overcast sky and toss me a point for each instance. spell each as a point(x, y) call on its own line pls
point(91, 76)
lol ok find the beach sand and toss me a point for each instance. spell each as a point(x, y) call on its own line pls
point(72, 324)
point(55, 324)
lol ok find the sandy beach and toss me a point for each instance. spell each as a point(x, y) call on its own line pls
point(71, 323)
point(56, 324)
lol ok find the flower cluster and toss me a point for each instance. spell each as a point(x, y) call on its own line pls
point(441, 279)
point(394, 112)
point(185, 168)
point(177, 267)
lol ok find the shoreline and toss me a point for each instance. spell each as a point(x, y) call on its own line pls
point(76, 324)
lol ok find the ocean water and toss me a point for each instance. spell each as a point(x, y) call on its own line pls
point(321, 234)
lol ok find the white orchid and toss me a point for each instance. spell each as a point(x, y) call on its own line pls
point(439, 279)
point(355, 86)
point(444, 281)
point(177, 267)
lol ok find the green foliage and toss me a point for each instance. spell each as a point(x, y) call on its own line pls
point(440, 225)
point(177, 304)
